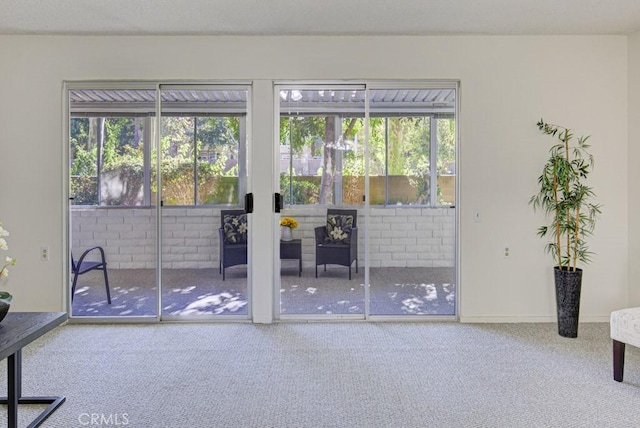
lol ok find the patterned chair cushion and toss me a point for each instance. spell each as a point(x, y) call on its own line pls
point(625, 326)
point(339, 229)
point(235, 229)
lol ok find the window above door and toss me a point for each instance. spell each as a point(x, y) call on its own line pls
point(202, 133)
point(412, 145)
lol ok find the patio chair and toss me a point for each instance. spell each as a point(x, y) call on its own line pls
point(337, 241)
point(233, 239)
point(83, 266)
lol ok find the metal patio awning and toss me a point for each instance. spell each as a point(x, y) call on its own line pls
point(303, 101)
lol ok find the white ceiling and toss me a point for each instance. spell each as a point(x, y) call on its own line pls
point(319, 17)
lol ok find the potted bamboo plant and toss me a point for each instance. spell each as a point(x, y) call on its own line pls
point(566, 200)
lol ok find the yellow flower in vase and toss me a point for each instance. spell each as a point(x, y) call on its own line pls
point(289, 222)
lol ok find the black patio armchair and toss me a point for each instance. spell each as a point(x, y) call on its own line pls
point(337, 241)
point(233, 239)
point(83, 266)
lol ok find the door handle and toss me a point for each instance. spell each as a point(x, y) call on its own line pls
point(248, 203)
point(277, 202)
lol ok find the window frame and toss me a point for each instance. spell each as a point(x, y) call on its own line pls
point(150, 109)
point(434, 116)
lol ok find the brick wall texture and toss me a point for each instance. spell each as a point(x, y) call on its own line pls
point(398, 237)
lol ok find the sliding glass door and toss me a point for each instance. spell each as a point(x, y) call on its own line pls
point(112, 214)
point(412, 254)
point(367, 178)
point(204, 228)
point(160, 178)
point(321, 152)
point(157, 184)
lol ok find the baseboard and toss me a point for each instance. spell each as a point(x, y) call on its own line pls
point(529, 319)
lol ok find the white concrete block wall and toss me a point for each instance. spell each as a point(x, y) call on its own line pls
point(190, 237)
point(398, 236)
point(128, 236)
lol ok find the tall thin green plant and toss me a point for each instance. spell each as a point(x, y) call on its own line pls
point(565, 198)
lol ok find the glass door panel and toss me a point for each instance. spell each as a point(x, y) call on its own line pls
point(321, 159)
point(111, 212)
point(204, 172)
point(412, 202)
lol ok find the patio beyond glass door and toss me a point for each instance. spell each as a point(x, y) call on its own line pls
point(128, 141)
point(111, 212)
point(204, 236)
point(321, 164)
point(412, 215)
point(412, 202)
point(368, 181)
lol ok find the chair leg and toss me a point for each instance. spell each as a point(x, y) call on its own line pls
point(106, 284)
point(316, 271)
point(349, 272)
point(618, 360)
point(73, 287)
point(222, 272)
point(356, 265)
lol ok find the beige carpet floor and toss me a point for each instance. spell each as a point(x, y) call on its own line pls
point(319, 375)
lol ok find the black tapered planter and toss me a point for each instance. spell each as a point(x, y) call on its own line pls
point(568, 286)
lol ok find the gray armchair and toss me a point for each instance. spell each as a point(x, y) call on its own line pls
point(337, 242)
point(233, 239)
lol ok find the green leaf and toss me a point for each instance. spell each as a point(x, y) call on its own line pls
point(5, 297)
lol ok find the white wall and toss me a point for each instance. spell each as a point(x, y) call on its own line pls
point(634, 171)
point(507, 84)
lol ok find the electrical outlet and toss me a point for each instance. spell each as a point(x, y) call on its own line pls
point(44, 254)
point(507, 252)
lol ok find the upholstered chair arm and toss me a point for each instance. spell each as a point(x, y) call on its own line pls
point(354, 234)
point(321, 233)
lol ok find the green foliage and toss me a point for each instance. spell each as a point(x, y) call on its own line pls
point(225, 191)
point(353, 166)
point(565, 198)
point(216, 140)
point(417, 162)
point(84, 190)
point(210, 144)
point(84, 156)
point(6, 297)
point(377, 151)
point(398, 146)
point(299, 189)
point(84, 162)
point(446, 144)
point(303, 131)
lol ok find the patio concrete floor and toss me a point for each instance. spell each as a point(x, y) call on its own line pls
point(194, 292)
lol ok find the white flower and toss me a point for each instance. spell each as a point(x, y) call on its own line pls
point(337, 234)
point(9, 261)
